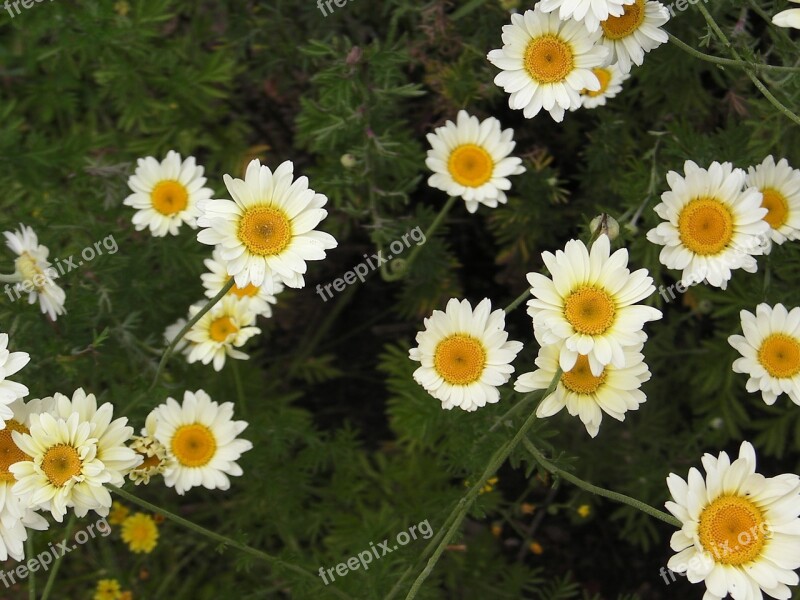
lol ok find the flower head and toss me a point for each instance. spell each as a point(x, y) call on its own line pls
point(591, 12)
point(637, 31)
point(611, 78)
point(779, 185)
point(140, 532)
point(10, 364)
point(218, 334)
point(257, 298)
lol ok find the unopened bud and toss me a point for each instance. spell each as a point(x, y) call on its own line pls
point(605, 224)
point(348, 161)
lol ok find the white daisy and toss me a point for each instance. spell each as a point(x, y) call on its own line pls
point(155, 458)
point(465, 355)
point(257, 297)
point(470, 158)
point(590, 304)
point(167, 194)
point(10, 364)
point(710, 225)
point(770, 350)
point(635, 32)
point(227, 326)
point(34, 272)
point(740, 531)
point(591, 12)
point(779, 185)
point(546, 62)
point(201, 440)
point(267, 231)
point(788, 18)
point(611, 78)
point(614, 392)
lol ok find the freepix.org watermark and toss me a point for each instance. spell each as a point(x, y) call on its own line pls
point(364, 558)
point(44, 559)
point(61, 267)
point(26, 4)
point(361, 270)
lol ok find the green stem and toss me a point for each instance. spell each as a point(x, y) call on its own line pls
point(51, 579)
point(517, 301)
point(616, 496)
point(728, 62)
point(192, 322)
point(29, 551)
point(403, 268)
point(273, 560)
point(237, 380)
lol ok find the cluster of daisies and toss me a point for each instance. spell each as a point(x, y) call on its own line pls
point(262, 239)
point(59, 453)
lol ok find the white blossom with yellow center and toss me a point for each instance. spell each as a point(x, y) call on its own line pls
point(590, 304)
point(779, 185)
point(267, 232)
point(546, 63)
point(611, 78)
point(35, 273)
point(740, 531)
point(637, 31)
point(770, 350)
point(202, 442)
point(167, 194)
point(590, 12)
point(711, 225)
point(614, 392)
point(218, 334)
point(10, 364)
point(256, 297)
point(465, 355)
point(470, 158)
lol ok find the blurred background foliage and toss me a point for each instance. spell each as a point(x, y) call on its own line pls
point(348, 449)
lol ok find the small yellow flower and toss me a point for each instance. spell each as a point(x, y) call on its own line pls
point(527, 508)
point(107, 589)
point(119, 512)
point(584, 510)
point(536, 548)
point(140, 532)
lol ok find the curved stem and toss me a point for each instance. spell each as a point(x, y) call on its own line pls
point(616, 496)
point(223, 539)
point(51, 579)
point(192, 322)
point(729, 62)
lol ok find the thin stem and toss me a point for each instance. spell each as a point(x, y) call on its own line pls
point(237, 379)
point(51, 579)
point(404, 267)
point(192, 322)
point(616, 496)
point(517, 301)
point(29, 550)
point(728, 62)
point(223, 539)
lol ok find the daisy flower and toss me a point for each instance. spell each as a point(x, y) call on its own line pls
point(590, 304)
point(779, 185)
point(614, 392)
point(611, 78)
point(201, 440)
point(267, 231)
point(770, 350)
point(227, 326)
point(591, 12)
point(740, 531)
point(167, 194)
point(140, 532)
point(546, 63)
point(464, 355)
point(710, 225)
point(34, 272)
point(258, 299)
point(637, 31)
point(154, 454)
point(788, 18)
point(10, 364)
point(470, 158)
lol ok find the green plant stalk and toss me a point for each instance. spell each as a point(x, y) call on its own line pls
point(728, 62)
point(51, 579)
point(517, 301)
point(192, 322)
point(32, 579)
point(616, 496)
point(223, 539)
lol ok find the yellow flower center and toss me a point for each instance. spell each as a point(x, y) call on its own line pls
point(604, 76)
point(221, 329)
point(777, 207)
point(590, 310)
point(28, 268)
point(169, 197)
point(548, 59)
point(460, 359)
point(194, 445)
point(248, 291)
point(579, 379)
point(149, 462)
point(733, 530)
point(470, 165)
point(265, 230)
point(779, 354)
point(9, 451)
point(616, 28)
point(705, 226)
point(61, 463)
